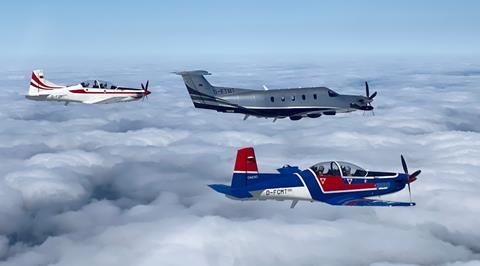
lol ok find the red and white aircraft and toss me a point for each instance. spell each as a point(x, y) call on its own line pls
point(89, 92)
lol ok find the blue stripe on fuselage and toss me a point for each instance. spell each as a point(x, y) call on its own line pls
point(312, 184)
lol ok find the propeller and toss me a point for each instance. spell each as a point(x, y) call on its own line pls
point(370, 98)
point(365, 104)
point(411, 177)
point(146, 92)
point(367, 89)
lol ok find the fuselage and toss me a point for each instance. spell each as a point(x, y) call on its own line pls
point(77, 93)
point(291, 102)
point(89, 91)
point(291, 183)
point(332, 182)
point(294, 103)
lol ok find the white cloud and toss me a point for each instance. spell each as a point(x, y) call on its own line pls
point(126, 184)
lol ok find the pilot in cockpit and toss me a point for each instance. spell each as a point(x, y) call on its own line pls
point(346, 170)
point(319, 170)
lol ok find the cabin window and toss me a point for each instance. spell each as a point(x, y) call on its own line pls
point(315, 96)
point(200, 85)
point(304, 97)
point(293, 98)
point(272, 99)
point(283, 99)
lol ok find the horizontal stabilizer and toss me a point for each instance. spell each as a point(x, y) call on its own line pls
point(227, 190)
point(193, 73)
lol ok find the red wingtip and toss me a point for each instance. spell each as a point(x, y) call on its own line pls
point(246, 160)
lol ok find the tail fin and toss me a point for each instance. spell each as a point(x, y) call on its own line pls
point(195, 80)
point(246, 170)
point(200, 90)
point(39, 83)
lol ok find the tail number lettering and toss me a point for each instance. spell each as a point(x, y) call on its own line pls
point(278, 192)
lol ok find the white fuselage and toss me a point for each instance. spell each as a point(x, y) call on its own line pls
point(77, 93)
point(89, 92)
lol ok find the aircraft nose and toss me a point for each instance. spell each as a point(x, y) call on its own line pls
point(362, 103)
point(365, 100)
point(147, 92)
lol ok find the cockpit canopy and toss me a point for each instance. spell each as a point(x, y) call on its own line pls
point(333, 168)
point(98, 84)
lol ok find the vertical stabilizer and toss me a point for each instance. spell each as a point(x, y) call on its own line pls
point(39, 84)
point(245, 168)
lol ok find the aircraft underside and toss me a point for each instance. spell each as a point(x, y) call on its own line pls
point(292, 112)
point(50, 98)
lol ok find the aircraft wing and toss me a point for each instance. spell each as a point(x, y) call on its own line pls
point(370, 202)
point(105, 101)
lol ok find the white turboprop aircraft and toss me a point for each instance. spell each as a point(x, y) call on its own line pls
point(89, 92)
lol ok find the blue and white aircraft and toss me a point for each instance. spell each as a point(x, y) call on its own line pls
point(333, 182)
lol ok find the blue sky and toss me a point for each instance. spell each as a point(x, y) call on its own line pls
point(229, 28)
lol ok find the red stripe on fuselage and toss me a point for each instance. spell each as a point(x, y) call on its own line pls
point(82, 91)
point(337, 183)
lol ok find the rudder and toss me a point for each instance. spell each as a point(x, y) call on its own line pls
point(245, 169)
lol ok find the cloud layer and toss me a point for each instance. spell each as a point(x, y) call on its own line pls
point(125, 184)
